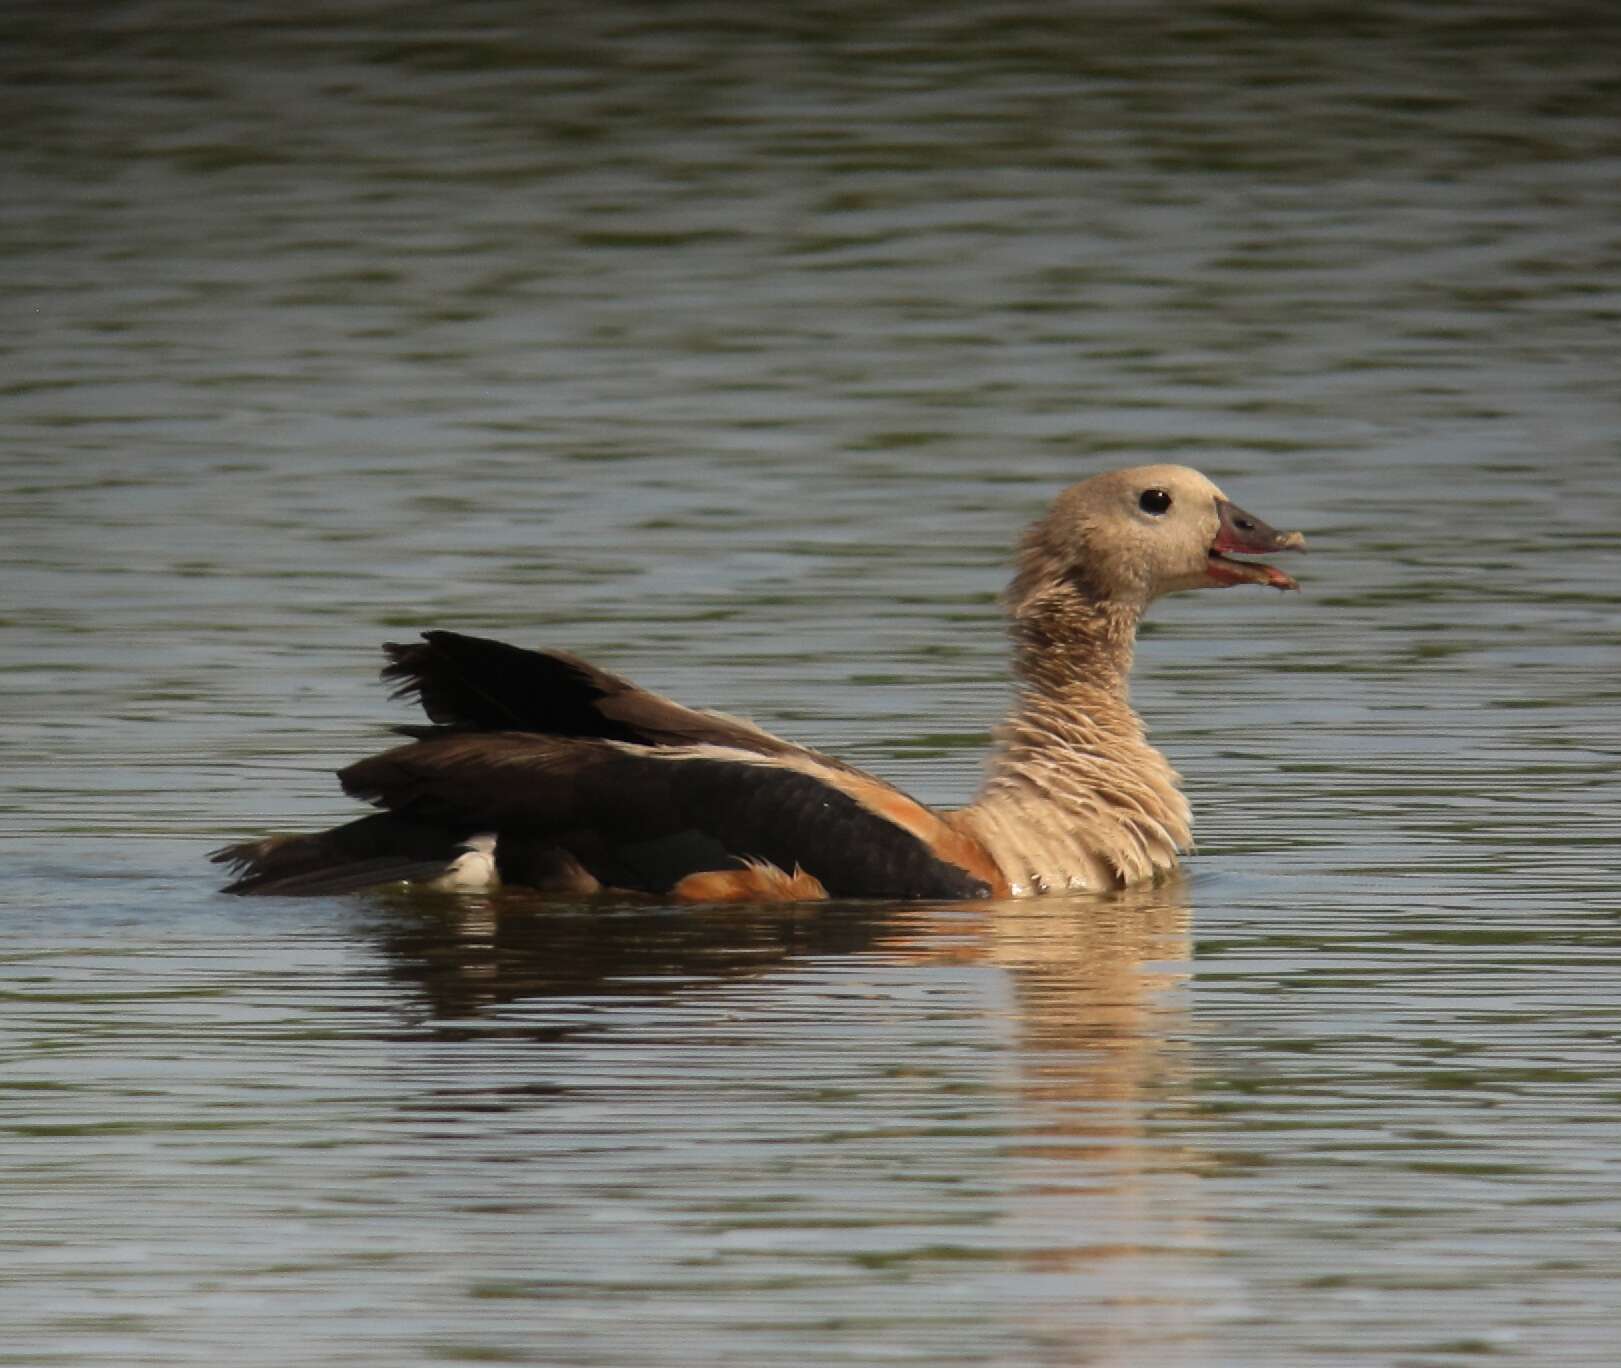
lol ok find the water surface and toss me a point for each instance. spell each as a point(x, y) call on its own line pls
point(733, 351)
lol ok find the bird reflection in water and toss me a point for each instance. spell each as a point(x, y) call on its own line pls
point(1100, 1194)
point(467, 954)
point(1101, 1178)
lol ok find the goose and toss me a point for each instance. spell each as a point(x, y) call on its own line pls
point(540, 770)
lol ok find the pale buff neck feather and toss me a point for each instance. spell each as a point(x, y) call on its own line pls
point(1076, 797)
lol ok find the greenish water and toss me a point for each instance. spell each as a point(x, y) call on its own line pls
point(733, 351)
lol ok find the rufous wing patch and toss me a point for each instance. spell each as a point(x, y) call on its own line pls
point(756, 881)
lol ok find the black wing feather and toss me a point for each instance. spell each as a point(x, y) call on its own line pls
point(474, 683)
point(379, 848)
point(468, 683)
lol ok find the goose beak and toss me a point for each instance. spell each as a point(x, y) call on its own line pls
point(1244, 534)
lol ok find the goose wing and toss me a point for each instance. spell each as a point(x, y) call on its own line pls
point(468, 683)
point(647, 817)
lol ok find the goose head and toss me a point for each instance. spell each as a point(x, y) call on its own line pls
point(1129, 536)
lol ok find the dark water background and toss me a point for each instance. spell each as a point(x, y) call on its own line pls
point(732, 347)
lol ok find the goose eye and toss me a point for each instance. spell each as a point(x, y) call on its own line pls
point(1154, 501)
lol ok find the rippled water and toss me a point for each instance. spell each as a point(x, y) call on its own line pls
point(733, 349)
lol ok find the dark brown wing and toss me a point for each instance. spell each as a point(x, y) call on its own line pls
point(468, 683)
point(584, 780)
point(639, 816)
